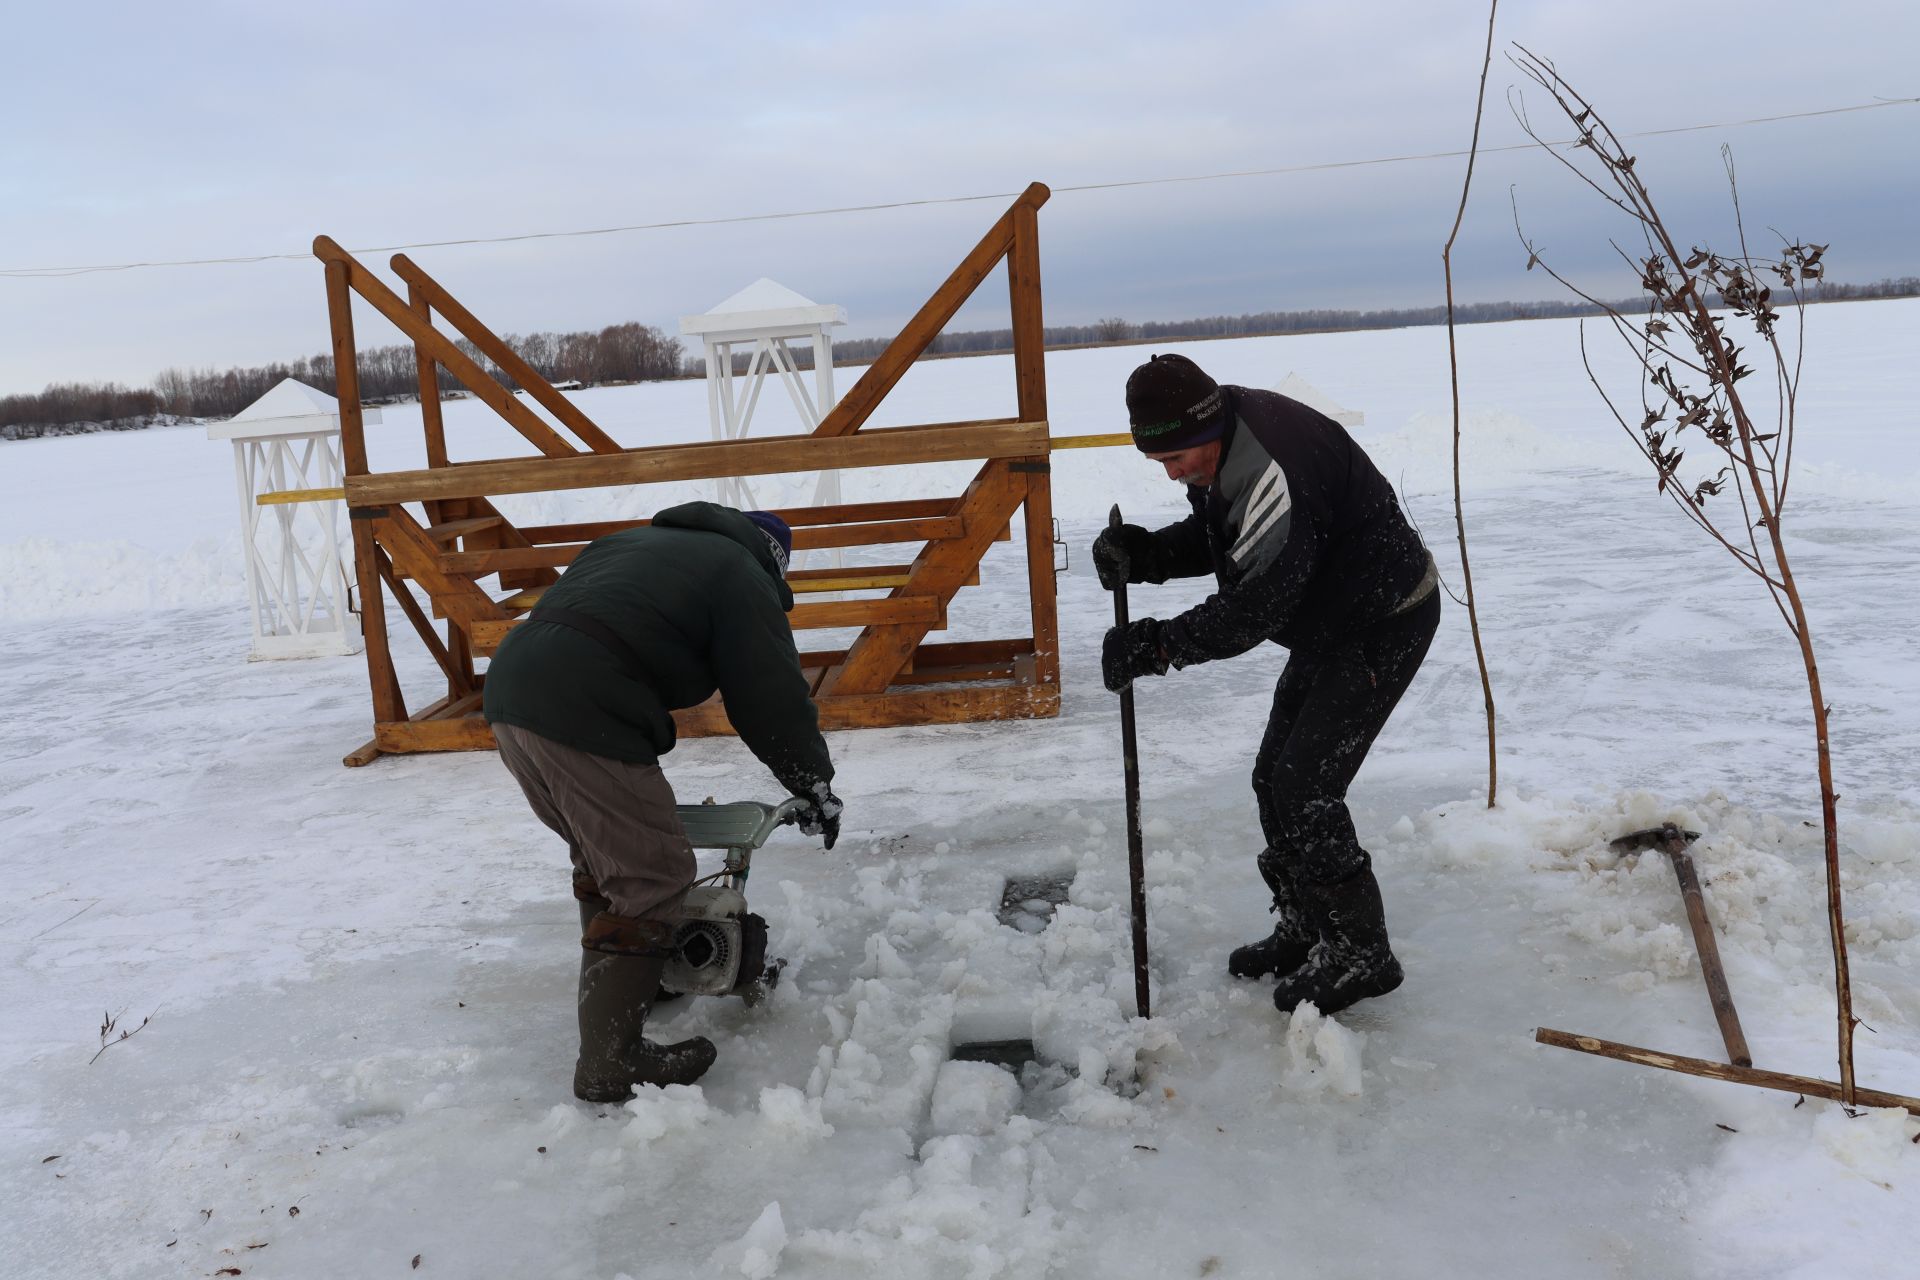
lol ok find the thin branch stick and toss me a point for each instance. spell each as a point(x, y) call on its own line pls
point(1711, 1070)
point(1453, 370)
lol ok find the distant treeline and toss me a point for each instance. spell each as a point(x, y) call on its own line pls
point(618, 353)
point(1117, 330)
point(635, 353)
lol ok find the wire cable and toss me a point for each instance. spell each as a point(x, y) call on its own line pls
point(31, 273)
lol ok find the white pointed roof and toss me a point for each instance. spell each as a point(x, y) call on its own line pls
point(764, 304)
point(1295, 387)
point(290, 408)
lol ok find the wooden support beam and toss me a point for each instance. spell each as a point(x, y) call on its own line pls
point(431, 341)
point(853, 409)
point(422, 285)
point(469, 733)
point(1813, 1088)
point(888, 447)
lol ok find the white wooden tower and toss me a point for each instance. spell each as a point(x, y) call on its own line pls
point(766, 319)
point(286, 462)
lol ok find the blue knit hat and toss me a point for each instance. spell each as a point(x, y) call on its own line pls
point(778, 534)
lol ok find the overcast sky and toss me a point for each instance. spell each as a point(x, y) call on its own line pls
point(145, 132)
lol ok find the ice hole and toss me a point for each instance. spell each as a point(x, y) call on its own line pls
point(1027, 903)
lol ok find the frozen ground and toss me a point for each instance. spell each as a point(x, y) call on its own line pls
point(359, 981)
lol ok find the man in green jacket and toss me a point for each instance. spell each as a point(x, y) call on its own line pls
point(580, 697)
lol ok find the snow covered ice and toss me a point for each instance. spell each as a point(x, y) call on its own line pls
point(359, 982)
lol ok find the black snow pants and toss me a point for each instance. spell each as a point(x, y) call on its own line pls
point(1327, 709)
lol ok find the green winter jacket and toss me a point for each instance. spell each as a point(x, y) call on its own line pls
point(701, 600)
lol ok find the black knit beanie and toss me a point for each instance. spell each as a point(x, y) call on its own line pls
point(779, 536)
point(1172, 405)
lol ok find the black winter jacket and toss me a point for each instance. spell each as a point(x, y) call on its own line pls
point(700, 599)
point(1302, 532)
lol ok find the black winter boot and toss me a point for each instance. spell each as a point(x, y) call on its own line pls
point(617, 989)
point(1286, 948)
point(1352, 960)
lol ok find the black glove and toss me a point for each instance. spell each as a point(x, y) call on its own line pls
point(1129, 651)
point(1122, 555)
point(822, 816)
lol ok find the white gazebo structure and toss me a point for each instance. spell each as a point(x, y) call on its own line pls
point(766, 318)
point(1295, 387)
point(286, 460)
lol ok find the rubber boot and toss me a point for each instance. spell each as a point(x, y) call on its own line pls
point(1352, 960)
point(617, 989)
point(1286, 948)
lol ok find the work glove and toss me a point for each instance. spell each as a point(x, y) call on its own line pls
point(1131, 650)
point(1122, 555)
point(822, 815)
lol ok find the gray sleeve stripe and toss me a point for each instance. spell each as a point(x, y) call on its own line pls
point(1259, 522)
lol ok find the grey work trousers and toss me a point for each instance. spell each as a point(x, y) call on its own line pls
point(617, 818)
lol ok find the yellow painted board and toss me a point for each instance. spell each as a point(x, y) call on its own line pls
point(298, 495)
point(1091, 442)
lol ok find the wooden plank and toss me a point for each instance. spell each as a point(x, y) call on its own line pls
point(364, 754)
point(959, 704)
point(846, 580)
point(286, 497)
point(500, 353)
point(1092, 442)
point(879, 654)
point(853, 535)
point(797, 517)
point(1708, 1069)
point(881, 376)
point(469, 733)
point(446, 531)
point(886, 447)
point(436, 344)
point(861, 512)
point(955, 675)
point(923, 611)
point(1042, 597)
point(927, 528)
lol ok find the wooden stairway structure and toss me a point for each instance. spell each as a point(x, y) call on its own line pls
point(437, 528)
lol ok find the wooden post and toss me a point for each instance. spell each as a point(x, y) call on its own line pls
point(459, 653)
point(1030, 375)
point(388, 704)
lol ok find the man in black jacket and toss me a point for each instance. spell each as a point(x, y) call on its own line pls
point(580, 697)
point(1311, 551)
